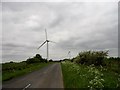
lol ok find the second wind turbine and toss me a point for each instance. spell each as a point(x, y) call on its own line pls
point(46, 41)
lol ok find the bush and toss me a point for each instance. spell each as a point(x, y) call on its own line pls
point(38, 56)
point(33, 60)
point(91, 57)
point(113, 63)
point(37, 59)
point(50, 60)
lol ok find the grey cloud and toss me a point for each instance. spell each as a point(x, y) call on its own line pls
point(17, 58)
point(73, 26)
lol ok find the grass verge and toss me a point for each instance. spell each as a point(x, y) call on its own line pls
point(9, 74)
point(82, 76)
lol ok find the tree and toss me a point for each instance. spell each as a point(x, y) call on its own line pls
point(38, 56)
point(50, 60)
point(36, 59)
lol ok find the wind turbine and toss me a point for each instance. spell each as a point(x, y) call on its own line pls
point(46, 41)
point(69, 54)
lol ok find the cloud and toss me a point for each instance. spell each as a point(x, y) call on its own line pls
point(73, 26)
point(60, 1)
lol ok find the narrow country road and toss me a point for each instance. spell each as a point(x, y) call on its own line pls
point(47, 77)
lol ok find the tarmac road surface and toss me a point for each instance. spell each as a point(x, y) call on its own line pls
point(47, 77)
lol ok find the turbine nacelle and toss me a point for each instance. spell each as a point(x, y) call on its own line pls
point(47, 41)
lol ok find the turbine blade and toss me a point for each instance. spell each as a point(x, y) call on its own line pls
point(42, 44)
point(51, 41)
point(46, 34)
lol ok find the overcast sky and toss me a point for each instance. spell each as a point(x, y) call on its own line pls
point(75, 27)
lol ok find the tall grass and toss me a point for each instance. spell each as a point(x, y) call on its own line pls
point(83, 76)
point(11, 70)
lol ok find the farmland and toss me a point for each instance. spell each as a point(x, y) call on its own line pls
point(89, 69)
point(14, 69)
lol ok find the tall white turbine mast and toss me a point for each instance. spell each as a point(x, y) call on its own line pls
point(46, 41)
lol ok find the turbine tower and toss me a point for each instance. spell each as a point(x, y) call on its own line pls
point(69, 54)
point(46, 41)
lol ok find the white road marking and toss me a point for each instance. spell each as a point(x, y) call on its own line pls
point(27, 86)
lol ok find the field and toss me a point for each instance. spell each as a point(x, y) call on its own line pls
point(89, 76)
point(11, 70)
point(89, 69)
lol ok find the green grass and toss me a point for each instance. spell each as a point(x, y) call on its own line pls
point(72, 78)
point(12, 70)
point(111, 79)
point(79, 76)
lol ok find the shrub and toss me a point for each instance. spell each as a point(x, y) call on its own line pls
point(38, 56)
point(33, 60)
point(113, 63)
point(37, 59)
point(50, 60)
point(91, 57)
